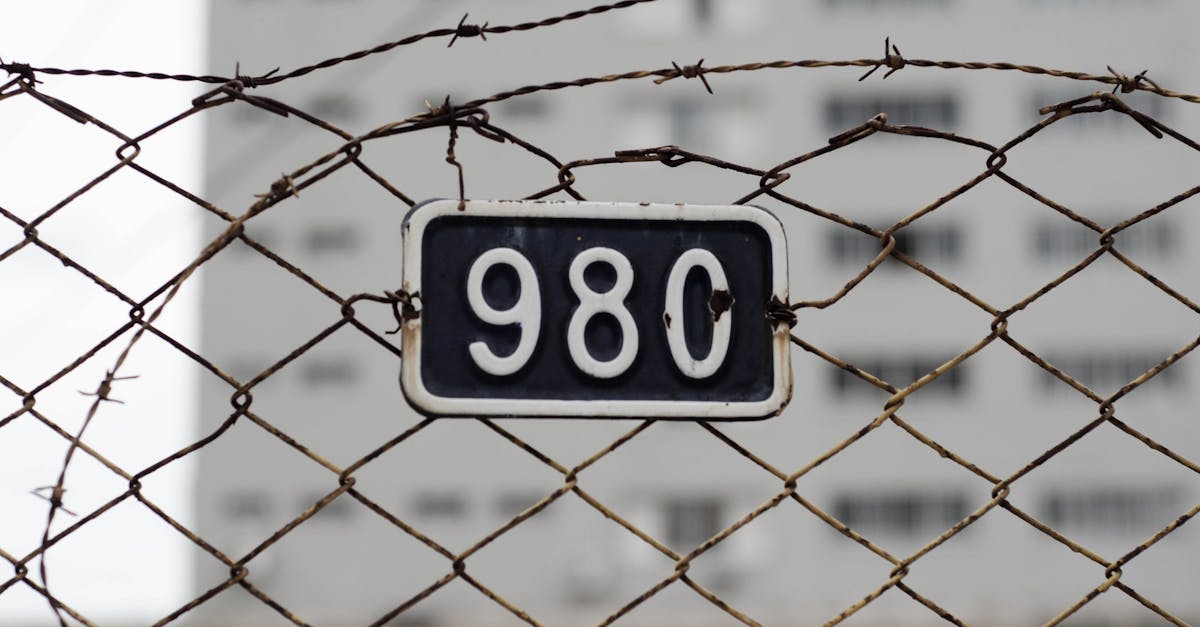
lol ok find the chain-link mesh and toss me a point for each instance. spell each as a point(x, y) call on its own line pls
point(34, 571)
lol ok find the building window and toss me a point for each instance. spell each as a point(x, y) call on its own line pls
point(1110, 372)
point(927, 244)
point(525, 107)
point(510, 504)
point(876, 4)
point(900, 513)
point(1064, 240)
point(245, 505)
point(433, 505)
point(689, 522)
point(244, 369)
point(933, 110)
point(334, 108)
point(687, 18)
point(330, 238)
point(1148, 103)
point(319, 372)
point(901, 371)
point(1112, 509)
point(338, 508)
point(691, 124)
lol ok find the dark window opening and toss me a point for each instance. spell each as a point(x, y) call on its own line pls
point(1110, 372)
point(1110, 509)
point(511, 504)
point(328, 372)
point(691, 521)
point(926, 244)
point(1062, 240)
point(330, 238)
point(338, 508)
point(334, 107)
point(247, 505)
point(937, 111)
point(440, 505)
point(901, 372)
point(901, 513)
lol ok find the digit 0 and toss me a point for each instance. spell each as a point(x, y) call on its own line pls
point(527, 312)
point(591, 303)
point(673, 316)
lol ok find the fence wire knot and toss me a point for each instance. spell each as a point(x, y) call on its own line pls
point(468, 30)
point(891, 58)
point(403, 308)
point(1128, 84)
point(241, 81)
point(281, 188)
point(687, 71)
point(781, 312)
point(23, 71)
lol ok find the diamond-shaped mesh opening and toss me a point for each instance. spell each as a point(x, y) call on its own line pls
point(345, 384)
point(595, 576)
point(952, 574)
point(27, 156)
point(451, 480)
point(897, 186)
point(1165, 571)
point(1112, 508)
point(244, 610)
point(103, 562)
point(687, 460)
point(306, 571)
point(115, 226)
point(1066, 329)
point(22, 604)
point(901, 508)
point(678, 602)
point(1156, 243)
point(263, 484)
point(885, 303)
point(62, 313)
point(1110, 608)
point(242, 312)
point(348, 246)
point(33, 454)
point(1031, 416)
point(1087, 176)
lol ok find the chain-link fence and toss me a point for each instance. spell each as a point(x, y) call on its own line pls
point(453, 122)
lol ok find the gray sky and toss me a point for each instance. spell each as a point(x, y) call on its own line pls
point(50, 156)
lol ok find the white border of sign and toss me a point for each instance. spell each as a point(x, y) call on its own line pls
point(421, 398)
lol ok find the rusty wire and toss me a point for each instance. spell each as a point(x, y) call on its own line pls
point(473, 117)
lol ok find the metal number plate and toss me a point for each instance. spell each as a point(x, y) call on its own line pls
point(599, 310)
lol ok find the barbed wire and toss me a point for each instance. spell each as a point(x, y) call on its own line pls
point(473, 117)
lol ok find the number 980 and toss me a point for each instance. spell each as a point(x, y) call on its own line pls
point(527, 313)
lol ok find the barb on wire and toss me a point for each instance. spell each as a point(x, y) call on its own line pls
point(105, 388)
point(891, 58)
point(687, 71)
point(23, 71)
point(1130, 84)
point(465, 30)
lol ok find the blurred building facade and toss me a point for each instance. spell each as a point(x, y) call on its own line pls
point(457, 480)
